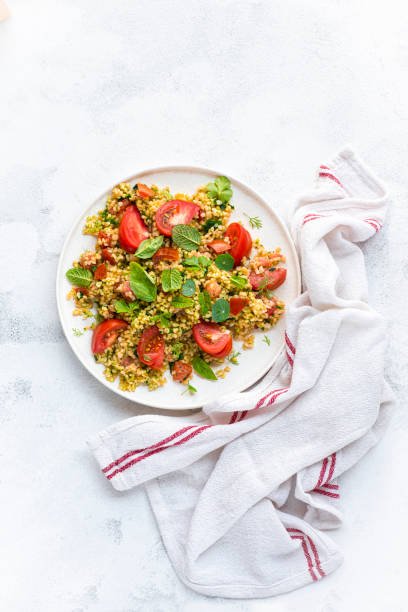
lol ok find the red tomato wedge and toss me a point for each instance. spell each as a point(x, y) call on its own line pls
point(105, 334)
point(211, 339)
point(240, 241)
point(270, 279)
point(175, 212)
point(181, 371)
point(150, 348)
point(219, 246)
point(100, 272)
point(132, 229)
point(144, 191)
point(166, 254)
point(237, 304)
point(225, 351)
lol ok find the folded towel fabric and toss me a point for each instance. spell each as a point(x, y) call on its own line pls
point(243, 491)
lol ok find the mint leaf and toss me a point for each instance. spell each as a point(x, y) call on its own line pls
point(202, 368)
point(220, 310)
point(79, 277)
point(205, 302)
point(141, 283)
point(204, 262)
point(186, 237)
point(224, 261)
point(147, 248)
point(179, 301)
point(220, 190)
point(162, 319)
point(189, 288)
point(171, 280)
point(124, 307)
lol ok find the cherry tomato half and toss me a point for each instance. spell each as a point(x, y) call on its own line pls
point(237, 304)
point(105, 334)
point(144, 191)
point(150, 348)
point(219, 246)
point(211, 339)
point(270, 279)
point(225, 351)
point(132, 229)
point(181, 371)
point(240, 241)
point(175, 212)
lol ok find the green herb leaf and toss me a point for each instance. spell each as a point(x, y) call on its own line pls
point(190, 388)
point(122, 306)
point(204, 262)
point(204, 300)
point(162, 319)
point(238, 281)
point(179, 301)
point(211, 223)
point(141, 283)
point(186, 237)
point(225, 261)
point(266, 340)
point(147, 248)
point(191, 261)
point(220, 189)
point(220, 310)
point(189, 288)
point(202, 368)
point(77, 332)
point(171, 280)
point(233, 358)
point(79, 277)
point(176, 349)
point(254, 222)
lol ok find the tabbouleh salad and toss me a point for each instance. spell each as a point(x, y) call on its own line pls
point(172, 284)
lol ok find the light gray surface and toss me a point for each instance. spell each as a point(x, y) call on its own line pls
point(93, 91)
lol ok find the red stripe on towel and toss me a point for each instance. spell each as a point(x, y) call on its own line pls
point(327, 493)
point(330, 176)
point(322, 472)
point(299, 535)
point(289, 343)
point(142, 450)
point(193, 434)
point(289, 358)
point(331, 470)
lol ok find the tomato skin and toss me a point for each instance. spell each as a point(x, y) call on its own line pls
point(270, 279)
point(100, 272)
point(211, 339)
point(166, 254)
point(144, 191)
point(132, 229)
point(150, 348)
point(105, 334)
point(219, 246)
point(240, 241)
point(237, 304)
point(108, 256)
point(175, 212)
point(225, 351)
point(181, 371)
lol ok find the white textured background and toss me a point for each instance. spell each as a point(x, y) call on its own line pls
point(91, 91)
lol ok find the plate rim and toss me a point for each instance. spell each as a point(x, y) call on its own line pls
point(158, 169)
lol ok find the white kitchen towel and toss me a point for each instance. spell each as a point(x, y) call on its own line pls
point(243, 491)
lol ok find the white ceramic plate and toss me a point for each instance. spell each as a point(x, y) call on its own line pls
point(253, 364)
